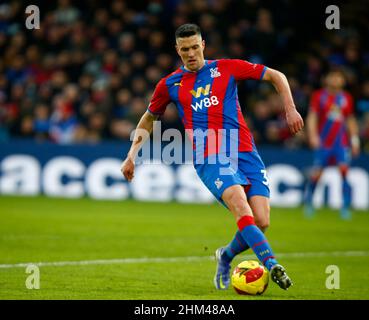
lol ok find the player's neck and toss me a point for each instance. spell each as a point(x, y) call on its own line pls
point(334, 91)
point(198, 69)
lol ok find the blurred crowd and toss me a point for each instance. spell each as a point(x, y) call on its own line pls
point(88, 73)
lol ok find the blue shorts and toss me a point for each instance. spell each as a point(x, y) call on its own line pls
point(248, 170)
point(324, 157)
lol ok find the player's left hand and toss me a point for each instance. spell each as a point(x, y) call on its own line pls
point(355, 150)
point(294, 120)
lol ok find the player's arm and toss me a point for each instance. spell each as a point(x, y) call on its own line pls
point(157, 106)
point(353, 130)
point(312, 129)
point(280, 83)
point(142, 133)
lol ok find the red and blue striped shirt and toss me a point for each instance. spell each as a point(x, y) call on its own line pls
point(207, 100)
point(332, 111)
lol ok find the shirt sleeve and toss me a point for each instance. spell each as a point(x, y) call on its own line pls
point(350, 105)
point(160, 99)
point(242, 69)
point(314, 102)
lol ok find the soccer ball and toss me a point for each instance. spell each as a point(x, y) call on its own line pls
point(250, 277)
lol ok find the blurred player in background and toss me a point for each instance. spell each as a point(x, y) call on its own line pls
point(205, 93)
point(333, 134)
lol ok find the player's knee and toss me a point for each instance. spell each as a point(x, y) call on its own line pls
point(263, 224)
point(262, 221)
point(261, 211)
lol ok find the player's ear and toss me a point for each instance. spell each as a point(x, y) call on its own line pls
point(203, 45)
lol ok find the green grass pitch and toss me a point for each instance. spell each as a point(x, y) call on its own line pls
point(82, 231)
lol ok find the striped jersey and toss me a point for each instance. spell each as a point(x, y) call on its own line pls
point(207, 100)
point(332, 111)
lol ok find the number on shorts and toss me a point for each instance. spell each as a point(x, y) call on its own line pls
point(266, 180)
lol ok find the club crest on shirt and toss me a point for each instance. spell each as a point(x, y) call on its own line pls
point(218, 183)
point(335, 113)
point(214, 73)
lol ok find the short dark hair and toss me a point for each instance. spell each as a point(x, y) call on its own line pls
point(337, 70)
point(187, 30)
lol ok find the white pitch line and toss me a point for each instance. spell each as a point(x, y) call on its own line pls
point(107, 261)
point(181, 259)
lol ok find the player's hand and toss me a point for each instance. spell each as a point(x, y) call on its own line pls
point(314, 141)
point(355, 150)
point(128, 168)
point(294, 120)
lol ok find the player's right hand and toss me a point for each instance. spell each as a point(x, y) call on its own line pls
point(128, 168)
point(355, 150)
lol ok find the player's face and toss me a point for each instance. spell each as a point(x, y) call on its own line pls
point(335, 81)
point(191, 51)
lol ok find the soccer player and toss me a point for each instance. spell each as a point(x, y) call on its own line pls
point(205, 94)
point(332, 132)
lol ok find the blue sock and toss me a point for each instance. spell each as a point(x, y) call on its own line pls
point(346, 193)
point(236, 246)
point(310, 191)
point(257, 241)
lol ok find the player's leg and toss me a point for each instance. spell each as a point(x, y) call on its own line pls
point(260, 207)
point(225, 255)
point(257, 191)
point(313, 179)
point(235, 199)
point(261, 210)
point(218, 177)
point(343, 157)
point(251, 166)
point(346, 193)
point(320, 161)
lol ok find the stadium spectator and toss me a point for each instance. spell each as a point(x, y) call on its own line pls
point(41, 122)
point(63, 122)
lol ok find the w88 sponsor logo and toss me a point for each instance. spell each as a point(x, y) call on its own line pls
point(206, 103)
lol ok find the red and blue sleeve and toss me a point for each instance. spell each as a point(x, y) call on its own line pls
point(160, 99)
point(314, 101)
point(242, 69)
point(350, 105)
